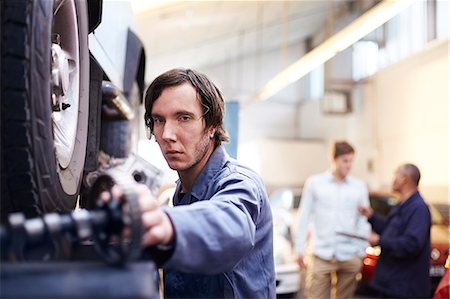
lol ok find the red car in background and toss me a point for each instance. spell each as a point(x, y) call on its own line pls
point(382, 204)
point(443, 288)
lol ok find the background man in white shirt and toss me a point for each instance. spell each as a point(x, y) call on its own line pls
point(330, 202)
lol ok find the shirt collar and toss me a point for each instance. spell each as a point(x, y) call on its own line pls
point(414, 197)
point(215, 162)
point(331, 178)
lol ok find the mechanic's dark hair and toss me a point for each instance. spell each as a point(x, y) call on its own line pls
point(412, 171)
point(339, 148)
point(210, 96)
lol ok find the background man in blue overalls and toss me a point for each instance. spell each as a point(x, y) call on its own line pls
point(402, 270)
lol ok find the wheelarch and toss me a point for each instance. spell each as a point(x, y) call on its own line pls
point(95, 9)
point(134, 71)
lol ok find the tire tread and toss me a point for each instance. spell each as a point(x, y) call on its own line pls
point(16, 159)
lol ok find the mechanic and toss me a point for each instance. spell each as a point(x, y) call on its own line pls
point(402, 270)
point(216, 242)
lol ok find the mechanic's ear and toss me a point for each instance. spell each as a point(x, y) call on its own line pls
point(212, 132)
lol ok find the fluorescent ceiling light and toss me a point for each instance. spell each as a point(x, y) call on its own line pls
point(359, 28)
point(142, 6)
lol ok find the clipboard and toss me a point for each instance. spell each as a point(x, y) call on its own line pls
point(352, 236)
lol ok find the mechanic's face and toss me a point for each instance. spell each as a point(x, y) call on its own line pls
point(398, 181)
point(180, 129)
point(343, 165)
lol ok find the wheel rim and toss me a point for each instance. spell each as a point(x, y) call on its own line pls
point(65, 69)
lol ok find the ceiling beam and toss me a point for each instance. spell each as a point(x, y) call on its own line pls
point(366, 23)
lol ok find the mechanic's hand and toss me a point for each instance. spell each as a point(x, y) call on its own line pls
point(300, 258)
point(373, 239)
point(158, 228)
point(365, 211)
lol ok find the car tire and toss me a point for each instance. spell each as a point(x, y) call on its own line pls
point(44, 54)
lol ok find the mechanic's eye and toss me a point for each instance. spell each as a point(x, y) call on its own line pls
point(184, 118)
point(157, 120)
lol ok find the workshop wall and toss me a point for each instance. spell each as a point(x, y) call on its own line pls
point(399, 115)
point(412, 100)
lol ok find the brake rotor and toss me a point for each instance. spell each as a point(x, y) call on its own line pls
point(120, 241)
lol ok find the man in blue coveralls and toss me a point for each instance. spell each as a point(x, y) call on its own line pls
point(216, 242)
point(402, 270)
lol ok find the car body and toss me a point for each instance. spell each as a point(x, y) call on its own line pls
point(287, 271)
point(382, 204)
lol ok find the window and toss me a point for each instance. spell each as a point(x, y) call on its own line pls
point(442, 19)
point(316, 86)
point(365, 59)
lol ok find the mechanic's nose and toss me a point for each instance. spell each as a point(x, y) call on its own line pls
point(169, 131)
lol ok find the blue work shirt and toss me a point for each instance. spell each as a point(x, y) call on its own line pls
point(402, 270)
point(223, 244)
